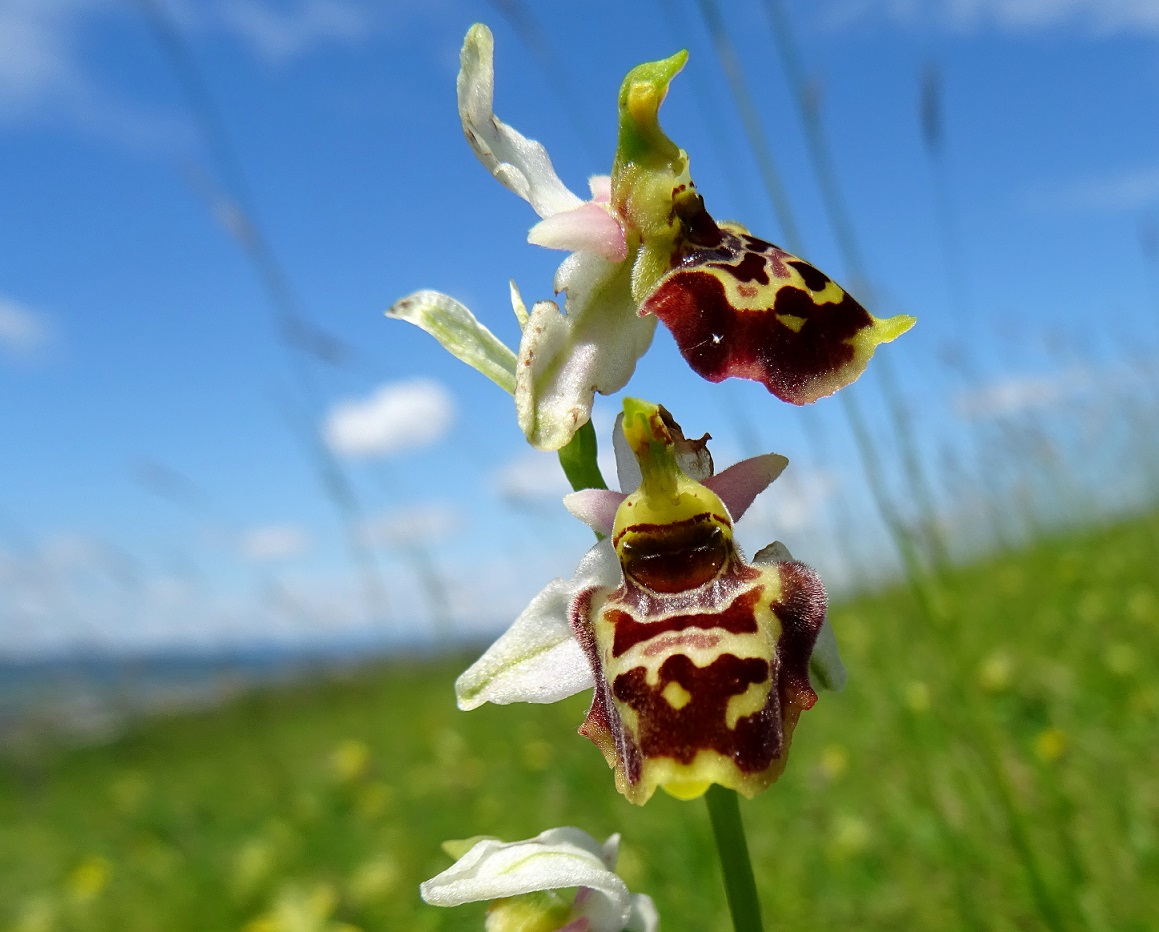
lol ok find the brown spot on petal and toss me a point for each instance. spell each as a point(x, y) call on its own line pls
point(739, 306)
point(720, 340)
point(751, 268)
point(699, 724)
point(737, 618)
point(814, 278)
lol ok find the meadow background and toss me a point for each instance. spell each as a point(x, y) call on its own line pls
point(250, 531)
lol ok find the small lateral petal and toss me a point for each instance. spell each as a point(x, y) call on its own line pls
point(742, 482)
point(601, 188)
point(587, 228)
point(517, 305)
point(595, 507)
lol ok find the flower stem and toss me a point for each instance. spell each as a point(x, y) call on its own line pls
point(739, 884)
point(578, 460)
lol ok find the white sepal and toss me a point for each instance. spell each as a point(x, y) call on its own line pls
point(825, 667)
point(644, 916)
point(564, 359)
point(538, 659)
point(520, 164)
point(460, 333)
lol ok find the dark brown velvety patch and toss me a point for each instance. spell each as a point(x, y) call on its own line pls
point(680, 734)
point(718, 340)
point(737, 618)
point(814, 278)
point(677, 556)
point(801, 611)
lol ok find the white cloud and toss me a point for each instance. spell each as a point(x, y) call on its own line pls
point(531, 478)
point(37, 53)
point(22, 331)
point(1126, 190)
point(274, 542)
point(418, 524)
point(793, 503)
point(279, 34)
point(1102, 16)
point(397, 417)
point(69, 552)
point(1017, 395)
point(50, 54)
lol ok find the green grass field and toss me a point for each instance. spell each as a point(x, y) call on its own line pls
point(1022, 731)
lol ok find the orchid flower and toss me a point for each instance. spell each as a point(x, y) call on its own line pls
point(645, 248)
point(524, 879)
point(700, 661)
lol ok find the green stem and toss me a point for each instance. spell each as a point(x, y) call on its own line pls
point(578, 460)
point(739, 884)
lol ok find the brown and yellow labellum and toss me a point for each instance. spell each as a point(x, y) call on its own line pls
point(701, 659)
point(740, 306)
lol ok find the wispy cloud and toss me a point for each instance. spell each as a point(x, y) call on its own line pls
point(418, 524)
point(49, 74)
point(1017, 395)
point(280, 34)
point(23, 332)
point(531, 478)
point(38, 54)
point(794, 503)
point(1100, 16)
point(274, 542)
point(1130, 189)
point(51, 55)
point(396, 418)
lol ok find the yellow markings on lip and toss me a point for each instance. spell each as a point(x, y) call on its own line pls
point(751, 701)
point(791, 321)
point(676, 695)
point(832, 293)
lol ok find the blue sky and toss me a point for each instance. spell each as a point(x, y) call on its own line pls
point(159, 439)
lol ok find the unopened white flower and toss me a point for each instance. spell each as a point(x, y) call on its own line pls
point(508, 874)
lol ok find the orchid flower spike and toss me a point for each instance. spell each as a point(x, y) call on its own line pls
point(700, 661)
point(643, 248)
point(527, 882)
